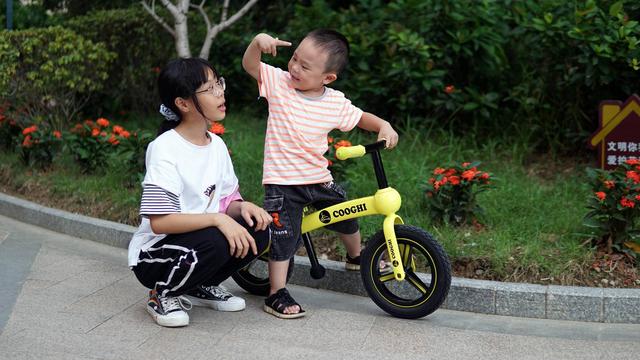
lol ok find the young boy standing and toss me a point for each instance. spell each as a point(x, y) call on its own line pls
point(302, 112)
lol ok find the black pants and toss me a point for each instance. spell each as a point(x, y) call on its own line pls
point(181, 262)
point(285, 203)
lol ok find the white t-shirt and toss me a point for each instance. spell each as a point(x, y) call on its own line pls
point(181, 177)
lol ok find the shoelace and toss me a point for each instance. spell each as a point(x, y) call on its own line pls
point(218, 291)
point(170, 303)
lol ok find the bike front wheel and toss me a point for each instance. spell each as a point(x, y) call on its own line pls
point(427, 269)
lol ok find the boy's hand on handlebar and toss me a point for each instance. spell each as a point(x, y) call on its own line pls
point(389, 135)
point(268, 45)
point(250, 211)
point(240, 241)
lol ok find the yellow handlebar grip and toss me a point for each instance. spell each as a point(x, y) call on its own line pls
point(348, 152)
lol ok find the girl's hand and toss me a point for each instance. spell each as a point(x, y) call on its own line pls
point(391, 136)
point(268, 45)
point(240, 241)
point(250, 211)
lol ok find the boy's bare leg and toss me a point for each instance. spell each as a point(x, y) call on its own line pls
point(352, 243)
point(278, 280)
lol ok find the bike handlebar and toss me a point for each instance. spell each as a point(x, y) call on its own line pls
point(350, 152)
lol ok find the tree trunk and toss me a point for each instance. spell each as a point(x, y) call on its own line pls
point(182, 36)
point(208, 41)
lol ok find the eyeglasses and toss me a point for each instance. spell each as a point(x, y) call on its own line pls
point(216, 89)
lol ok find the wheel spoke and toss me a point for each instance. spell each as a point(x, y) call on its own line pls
point(416, 282)
point(405, 250)
point(387, 277)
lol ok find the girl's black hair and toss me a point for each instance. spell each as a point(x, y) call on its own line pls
point(181, 78)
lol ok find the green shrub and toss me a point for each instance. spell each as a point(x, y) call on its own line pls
point(9, 130)
point(451, 193)
point(39, 145)
point(615, 207)
point(130, 158)
point(141, 46)
point(535, 69)
point(33, 15)
point(50, 73)
point(93, 143)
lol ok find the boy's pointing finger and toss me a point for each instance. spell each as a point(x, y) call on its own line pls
point(282, 43)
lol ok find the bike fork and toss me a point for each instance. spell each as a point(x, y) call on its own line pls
point(317, 271)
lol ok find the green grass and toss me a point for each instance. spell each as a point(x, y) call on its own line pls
point(532, 214)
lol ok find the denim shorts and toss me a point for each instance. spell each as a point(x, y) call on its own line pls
point(286, 203)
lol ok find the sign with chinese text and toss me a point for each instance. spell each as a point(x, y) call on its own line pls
point(618, 138)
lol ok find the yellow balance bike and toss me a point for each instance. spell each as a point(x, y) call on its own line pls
point(404, 269)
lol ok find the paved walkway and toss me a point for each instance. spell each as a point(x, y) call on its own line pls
point(66, 298)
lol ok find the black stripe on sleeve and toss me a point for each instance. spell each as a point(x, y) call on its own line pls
point(156, 201)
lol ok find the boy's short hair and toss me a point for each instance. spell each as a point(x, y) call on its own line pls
point(336, 46)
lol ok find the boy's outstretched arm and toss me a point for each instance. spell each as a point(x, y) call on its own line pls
point(370, 122)
point(262, 43)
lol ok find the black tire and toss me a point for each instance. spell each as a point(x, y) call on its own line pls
point(417, 295)
point(254, 277)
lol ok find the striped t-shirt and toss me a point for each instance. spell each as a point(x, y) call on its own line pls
point(297, 129)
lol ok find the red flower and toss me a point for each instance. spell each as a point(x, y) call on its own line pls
point(217, 128)
point(438, 171)
point(117, 129)
point(601, 195)
point(632, 175)
point(465, 164)
point(29, 130)
point(633, 161)
point(329, 140)
point(469, 174)
point(27, 141)
point(156, 69)
point(484, 176)
point(450, 172)
point(454, 180)
point(113, 140)
point(432, 180)
point(638, 197)
point(627, 203)
point(102, 122)
point(89, 122)
point(57, 134)
point(95, 132)
point(342, 143)
point(609, 184)
point(449, 89)
point(125, 134)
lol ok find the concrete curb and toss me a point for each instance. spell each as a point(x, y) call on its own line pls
point(487, 297)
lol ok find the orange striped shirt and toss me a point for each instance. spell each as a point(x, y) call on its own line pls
point(297, 129)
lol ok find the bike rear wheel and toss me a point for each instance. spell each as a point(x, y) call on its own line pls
point(254, 277)
point(427, 269)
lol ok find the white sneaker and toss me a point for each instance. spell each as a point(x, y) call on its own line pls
point(168, 311)
point(215, 297)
